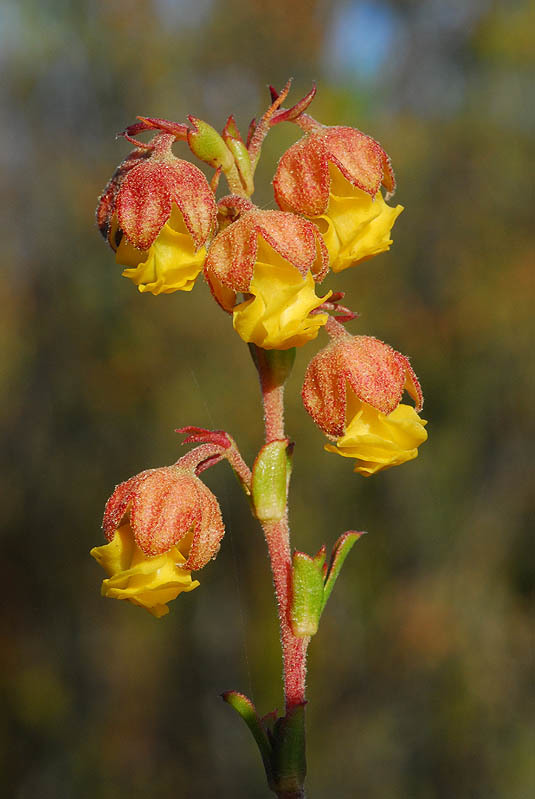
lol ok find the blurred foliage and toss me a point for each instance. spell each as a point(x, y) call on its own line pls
point(421, 678)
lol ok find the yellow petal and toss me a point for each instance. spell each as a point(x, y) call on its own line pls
point(378, 441)
point(171, 263)
point(148, 582)
point(355, 226)
point(277, 316)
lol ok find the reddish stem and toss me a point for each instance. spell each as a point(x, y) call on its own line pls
point(273, 399)
point(278, 541)
point(293, 649)
point(193, 460)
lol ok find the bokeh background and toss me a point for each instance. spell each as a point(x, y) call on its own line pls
point(421, 679)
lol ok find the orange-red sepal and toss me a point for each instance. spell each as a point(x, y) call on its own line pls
point(375, 372)
point(106, 205)
point(164, 506)
point(232, 255)
point(143, 189)
point(302, 180)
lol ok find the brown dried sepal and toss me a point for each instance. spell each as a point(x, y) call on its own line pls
point(231, 258)
point(138, 199)
point(376, 373)
point(302, 180)
point(165, 506)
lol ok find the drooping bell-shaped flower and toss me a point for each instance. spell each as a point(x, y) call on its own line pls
point(353, 390)
point(161, 525)
point(333, 175)
point(275, 260)
point(157, 213)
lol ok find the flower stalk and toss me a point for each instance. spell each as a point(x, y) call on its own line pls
point(273, 369)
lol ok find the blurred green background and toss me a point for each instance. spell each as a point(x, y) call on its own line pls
point(421, 679)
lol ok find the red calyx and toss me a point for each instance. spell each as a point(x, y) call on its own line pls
point(375, 372)
point(302, 180)
point(145, 186)
point(232, 255)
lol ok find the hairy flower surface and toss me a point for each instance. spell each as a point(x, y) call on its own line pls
point(162, 524)
point(274, 259)
point(302, 180)
point(157, 213)
point(333, 176)
point(353, 390)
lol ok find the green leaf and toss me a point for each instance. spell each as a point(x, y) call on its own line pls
point(341, 550)
point(270, 481)
point(307, 593)
point(243, 705)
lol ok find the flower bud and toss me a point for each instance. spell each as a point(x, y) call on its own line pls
point(157, 213)
point(333, 176)
point(161, 525)
point(275, 259)
point(206, 143)
point(235, 144)
point(353, 390)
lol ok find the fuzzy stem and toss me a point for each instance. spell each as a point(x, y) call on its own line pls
point(293, 649)
point(242, 471)
point(278, 541)
point(192, 460)
point(273, 399)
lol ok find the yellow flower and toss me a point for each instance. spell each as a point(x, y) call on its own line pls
point(149, 582)
point(170, 264)
point(274, 259)
point(379, 441)
point(277, 316)
point(355, 225)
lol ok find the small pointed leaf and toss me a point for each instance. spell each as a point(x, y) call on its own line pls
point(243, 705)
point(341, 550)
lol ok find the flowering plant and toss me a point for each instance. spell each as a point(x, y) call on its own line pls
point(263, 267)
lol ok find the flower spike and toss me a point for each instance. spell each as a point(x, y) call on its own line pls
point(161, 217)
